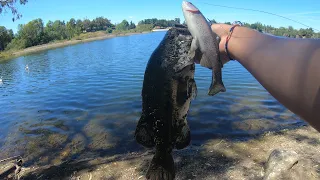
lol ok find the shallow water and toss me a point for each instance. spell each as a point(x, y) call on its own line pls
point(85, 98)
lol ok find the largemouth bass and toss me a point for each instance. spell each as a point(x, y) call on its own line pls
point(168, 89)
point(205, 45)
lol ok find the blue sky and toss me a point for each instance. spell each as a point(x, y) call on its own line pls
point(305, 11)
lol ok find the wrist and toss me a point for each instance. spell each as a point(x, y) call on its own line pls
point(242, 43)
point(228, 37)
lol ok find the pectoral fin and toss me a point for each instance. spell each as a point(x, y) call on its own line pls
point(192, 89)
point(193, 48)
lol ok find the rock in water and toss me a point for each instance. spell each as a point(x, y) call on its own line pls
point(168, 88)
point(279, 163)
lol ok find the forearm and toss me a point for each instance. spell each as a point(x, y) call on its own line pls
point(288, 68)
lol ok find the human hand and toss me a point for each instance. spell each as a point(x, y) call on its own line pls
point(222, 31)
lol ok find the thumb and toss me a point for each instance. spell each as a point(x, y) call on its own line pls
point(221, 29)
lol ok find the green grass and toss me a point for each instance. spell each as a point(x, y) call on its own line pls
point(88, 35)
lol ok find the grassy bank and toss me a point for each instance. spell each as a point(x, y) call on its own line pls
point(85, 37)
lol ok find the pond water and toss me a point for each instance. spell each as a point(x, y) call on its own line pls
point(85, 98)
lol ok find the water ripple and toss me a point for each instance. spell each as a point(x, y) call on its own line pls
point(92, 91)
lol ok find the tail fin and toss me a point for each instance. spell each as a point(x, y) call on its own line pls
point(161, 167)
point(215, 88)
point(216, 83)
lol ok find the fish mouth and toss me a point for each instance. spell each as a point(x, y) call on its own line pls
point(188, 6)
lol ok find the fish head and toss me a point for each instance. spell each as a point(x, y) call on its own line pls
point(188, 7)
point(191, 14)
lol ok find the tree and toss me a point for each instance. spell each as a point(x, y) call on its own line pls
point(213, 21)
point(257, 26)
point(32, 32)
point(144, 27)
point(10, 5)
point(71, 29)
point(79, 25)
point(132, 25)
point(160, 22)
point(5, 37)
point(101, 23)
point(56, 30)
point(291, 32)
point(177, 20)
point(86, 25)
point(123, 26)
point(307, 33)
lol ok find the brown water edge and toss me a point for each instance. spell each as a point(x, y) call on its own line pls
point(216, 159)
point(34, 49)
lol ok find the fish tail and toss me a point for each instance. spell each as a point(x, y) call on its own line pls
point(161, 167)
point(216, 84)
point(215, 89)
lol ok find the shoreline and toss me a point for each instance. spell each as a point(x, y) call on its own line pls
point(10, 55)
point(218, 158)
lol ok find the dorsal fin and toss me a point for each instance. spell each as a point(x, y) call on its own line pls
point(179, 26)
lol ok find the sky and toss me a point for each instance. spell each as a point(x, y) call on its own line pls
point(304, 11)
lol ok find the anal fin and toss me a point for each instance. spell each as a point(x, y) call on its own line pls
point(183, 137)
point(192, 89)
point(143, 133)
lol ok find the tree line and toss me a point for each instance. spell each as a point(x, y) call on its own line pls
point(284, 31)
point(35, 32)
point(160, 22)
point(281, 31)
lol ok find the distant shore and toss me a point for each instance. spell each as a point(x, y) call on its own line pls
point(4, 56)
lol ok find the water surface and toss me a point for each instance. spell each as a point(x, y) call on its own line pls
point(85, 100)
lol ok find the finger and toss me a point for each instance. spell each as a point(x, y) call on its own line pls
point(220, 29)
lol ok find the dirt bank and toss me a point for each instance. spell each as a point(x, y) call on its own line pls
point(216, 159)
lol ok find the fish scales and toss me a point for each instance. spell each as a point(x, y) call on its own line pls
point(168, 89)
point(205, 45)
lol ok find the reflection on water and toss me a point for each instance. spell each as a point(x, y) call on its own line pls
point(84, 100)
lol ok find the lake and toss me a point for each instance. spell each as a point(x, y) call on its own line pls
point(84, 100)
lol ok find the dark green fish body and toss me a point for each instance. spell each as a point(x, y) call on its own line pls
point(168, 88)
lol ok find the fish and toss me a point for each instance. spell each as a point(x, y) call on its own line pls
point(167, 92)
point(205, 45)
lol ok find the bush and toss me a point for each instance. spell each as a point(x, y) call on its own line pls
point(144, 27)
point(109, 30)
point(17, 44)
